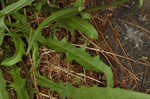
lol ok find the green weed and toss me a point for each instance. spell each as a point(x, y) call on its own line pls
point(14, 25)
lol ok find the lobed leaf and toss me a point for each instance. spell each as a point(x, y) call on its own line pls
point(55, 16)
point(77, 23)
point(19, 84)
point(21, 25)
point(3, 92)
point(10, 9)
point(81, 56)
point(90, 93)
point(17, 57)
point(15, 6)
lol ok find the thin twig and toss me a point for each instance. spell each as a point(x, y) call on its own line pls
point(114, 54)
point(47, 96)
point(78, 75)
point(135, 25)
point(124, 52)
point(34, 77)
point(110, 53)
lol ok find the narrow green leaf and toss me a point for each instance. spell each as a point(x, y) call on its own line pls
point(85, 15)
point(38, 6)
point(3, 27)
point(82, 57)
point(19, 84)
point(140, 4)
point(21, 25)
point(10, 9)
point(55, 16)
point(2, 3)
point(90, 93)
point(30, 88)
point(35, 55)
point(17, 57)
point(15, 6)
point(81, 25)
point(3, 92)
point(79, 4)
point(21, 18)
point(2, 24)
point(2, 35)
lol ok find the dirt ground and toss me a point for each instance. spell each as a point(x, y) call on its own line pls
point(124, 37)
point(130, 37)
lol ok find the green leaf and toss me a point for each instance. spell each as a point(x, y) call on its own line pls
point(38, 6)
point(2, 29)
point(21, 25)
point(85, 15)
point(21, 18)
point(81, 56)
point(90, 93)
point(55, 16)
point(19, 84)
point(2, 35)
point(140, 4)
point(10, 9)
point(79, 4)
point(35, 55)
point(15, 6)
point(77, 23)
point(2, 25)
point(17, 57)
point(58, 25)
point(3, 92)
